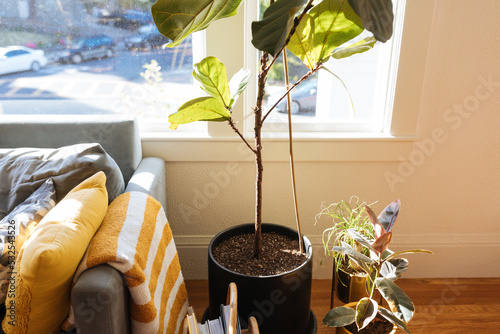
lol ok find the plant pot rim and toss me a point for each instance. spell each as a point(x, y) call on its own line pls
point(353, 305)
point(309, 250)
point(358, 274)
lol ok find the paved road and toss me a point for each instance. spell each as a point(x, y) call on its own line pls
point(98, 86)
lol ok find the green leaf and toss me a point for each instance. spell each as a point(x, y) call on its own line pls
point(200, 109)
point(339, 317)
point(393, 319)
point(397, 299)
point(358, 47)
point(329, 24)
point(302, 42)
point(393, 268)
point(211, 73)
point(376, 15)
point(412, 251)
point(366, 310)
point(362, 260)
point(360, 238)
point(238, 84)
point(177, 19)
point(271, 32)
point(389, 215)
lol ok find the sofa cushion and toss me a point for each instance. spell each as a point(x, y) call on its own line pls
point(23, 170)
point(49, 258)
point(17, 226)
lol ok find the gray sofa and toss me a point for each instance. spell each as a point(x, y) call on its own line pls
point(120, 139)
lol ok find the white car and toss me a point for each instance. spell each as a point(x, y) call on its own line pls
point(20, 58)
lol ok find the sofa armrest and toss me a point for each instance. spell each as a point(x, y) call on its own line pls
point(149, 178)
point(100, 302)
point(100, 296)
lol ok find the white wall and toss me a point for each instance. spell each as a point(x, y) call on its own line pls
point(449, 189)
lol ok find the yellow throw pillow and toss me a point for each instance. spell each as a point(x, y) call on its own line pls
point(40, 300)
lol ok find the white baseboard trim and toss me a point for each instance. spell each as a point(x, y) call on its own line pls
point(452, 257)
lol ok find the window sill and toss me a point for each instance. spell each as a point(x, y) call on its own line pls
point(313, 147)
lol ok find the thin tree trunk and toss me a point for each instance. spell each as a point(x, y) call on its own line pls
point(258, 156)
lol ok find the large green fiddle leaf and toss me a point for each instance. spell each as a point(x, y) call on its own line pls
point(212, 75)
point(358, 47)
point(398, 300)
point(270, 33)
point(201, 109)
point(366, 310)
point(302, 42)
point(327, 26)
point(176, 19)
point(339, 316)
point(376, 15)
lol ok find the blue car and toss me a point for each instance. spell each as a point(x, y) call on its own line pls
point(146, 38)
point(100, 46)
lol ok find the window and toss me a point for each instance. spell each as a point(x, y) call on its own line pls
point(354, 99)
point(370, 134)
point(99, 57)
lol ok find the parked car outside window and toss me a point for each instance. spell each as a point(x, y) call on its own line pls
point(87, 48)
point(303, 99)
point(19, 58)
point(146, 38)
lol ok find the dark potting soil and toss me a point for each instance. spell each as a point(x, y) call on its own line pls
point(377, 326)
point(279, 254)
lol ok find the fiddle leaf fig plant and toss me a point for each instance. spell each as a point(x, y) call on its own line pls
point(211, 73)
point(313, 30)
point(382, 268)
point(177, 19)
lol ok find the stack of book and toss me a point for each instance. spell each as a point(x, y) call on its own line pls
point(227, 323)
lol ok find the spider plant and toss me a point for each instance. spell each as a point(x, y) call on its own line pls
point(346, 216)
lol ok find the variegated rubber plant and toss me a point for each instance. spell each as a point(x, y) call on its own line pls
point(315, 31)
point(383, 267)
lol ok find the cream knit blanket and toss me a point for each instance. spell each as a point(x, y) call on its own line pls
point(136, 239)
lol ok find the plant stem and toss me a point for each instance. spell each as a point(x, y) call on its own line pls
point(292, 165)
point(259, 120)
point(233, 126)
point(258, 155)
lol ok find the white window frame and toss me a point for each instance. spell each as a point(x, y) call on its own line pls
point(221, 144)
point(383, 93)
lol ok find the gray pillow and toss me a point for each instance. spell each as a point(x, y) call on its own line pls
point(23, 170)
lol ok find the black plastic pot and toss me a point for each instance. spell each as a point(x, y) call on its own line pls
point(280, 303)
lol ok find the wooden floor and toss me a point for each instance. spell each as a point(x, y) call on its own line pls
point(444, 306)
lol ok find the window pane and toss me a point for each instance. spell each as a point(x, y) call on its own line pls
point(92, 57)
point(353, 98)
